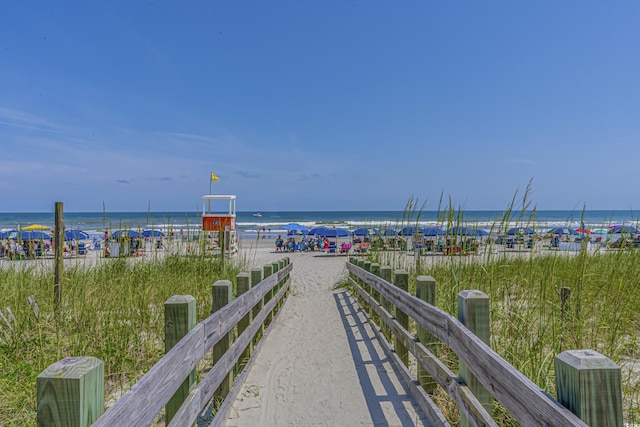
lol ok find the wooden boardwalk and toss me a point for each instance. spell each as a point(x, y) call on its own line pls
point(322, 363)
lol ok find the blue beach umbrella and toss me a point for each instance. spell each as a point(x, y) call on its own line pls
point(482, 232)
point(294, 226)
point(462, 231)
point(388, 232)
point(329, 232)
point(411, 230)
point(7, 234)
point(152, 233)
point(563, 230)
point(624, 229)
point(364, 231)
point(75, 235)
point(520, 230)
point(125, 233)
point(433, 231)
point(33, 235)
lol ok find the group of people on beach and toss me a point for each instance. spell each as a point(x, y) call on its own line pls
point(31, 249)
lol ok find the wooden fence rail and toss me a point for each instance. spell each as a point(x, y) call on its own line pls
point(71, 392)
point(588, 384)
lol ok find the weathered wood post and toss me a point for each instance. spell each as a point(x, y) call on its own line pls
point(473, 312)
point(366, 264)
point(385, 274)
point(375, 269)
point(71, 392)
point(256, 277)
point(243, 284)
point(426, 291)
point(401, 280)
point(222, 295)
point(179, 319)
point(589, 385)
point(58, 254)
point(268, 271)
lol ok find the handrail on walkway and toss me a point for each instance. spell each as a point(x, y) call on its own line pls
point(588, 383)
point(71, 391)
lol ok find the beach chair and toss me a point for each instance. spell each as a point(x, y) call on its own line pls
point(82, 249)
point(332, 247)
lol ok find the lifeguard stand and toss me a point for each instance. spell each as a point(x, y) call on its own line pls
point(219, 215)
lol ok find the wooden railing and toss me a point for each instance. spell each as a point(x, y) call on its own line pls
point(588, 384)
point(71, 391)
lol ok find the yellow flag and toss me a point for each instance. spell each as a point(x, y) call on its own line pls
point(214, 177)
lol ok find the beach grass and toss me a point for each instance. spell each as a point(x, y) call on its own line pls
point(113, 311)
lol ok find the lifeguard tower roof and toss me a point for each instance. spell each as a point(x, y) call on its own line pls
point(218, 212)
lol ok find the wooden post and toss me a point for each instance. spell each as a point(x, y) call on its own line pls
point(426, 291)
point(222, 295)
point(256, 277)
point(243, 284)
point(401, 280)
point(58, 253)
point(589, 385)
point(385, 274)
point(71, 392)
point(473, 312)
point(222, 243)
point(268, 271)
point(179, 319)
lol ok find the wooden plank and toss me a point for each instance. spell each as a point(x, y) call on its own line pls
point(222, 293)
point(71, 392)
point(426, 291)
point(589, 384)
point(179, 319)
point(142, 403)
point(449, 381)
point(473, 313)
point(401, 280)
point(523, 399)
point(243, 285)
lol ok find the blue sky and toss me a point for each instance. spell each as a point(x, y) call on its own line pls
point(305, 105)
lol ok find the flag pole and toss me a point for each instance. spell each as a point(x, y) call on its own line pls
point(210, 180)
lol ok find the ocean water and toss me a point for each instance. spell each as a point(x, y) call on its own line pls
point(249, 224)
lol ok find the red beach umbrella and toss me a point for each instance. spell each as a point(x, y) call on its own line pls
point(584, 231)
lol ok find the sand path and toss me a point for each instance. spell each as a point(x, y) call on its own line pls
point(321, 364)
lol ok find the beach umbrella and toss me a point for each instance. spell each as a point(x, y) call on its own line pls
point(75, 235)
point(32, 235)
point(624, 229)
point(7, 234)
point(600, 231)
point(329, 232)
point(482, 232)
point(152, 233)
point(587, 231)
point(364, 231)
point(462, 231)
point(520, 230)
point(563, 230)
point(36, 227)
point(388, 232)
point(294, 226)
point(125, 233)
point(411, 230)
point(433, 231)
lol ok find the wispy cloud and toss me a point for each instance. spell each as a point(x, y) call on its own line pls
point(123, 181)
point(23, 120)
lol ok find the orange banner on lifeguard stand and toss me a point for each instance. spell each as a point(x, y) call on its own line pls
point(218, 223)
